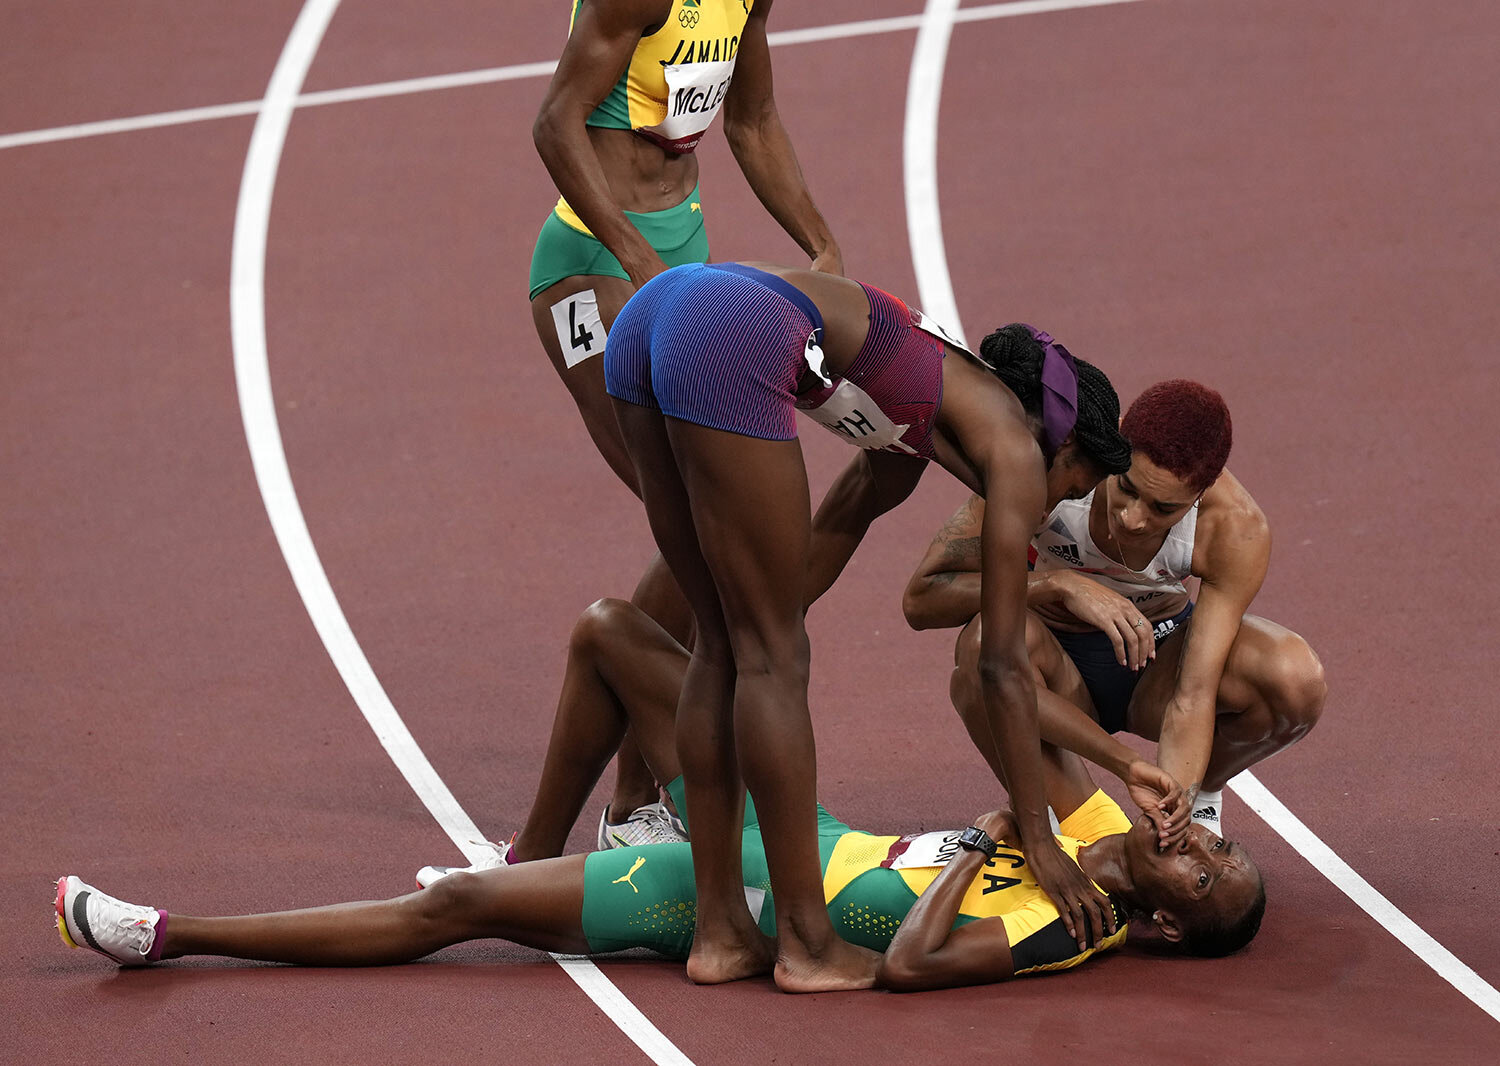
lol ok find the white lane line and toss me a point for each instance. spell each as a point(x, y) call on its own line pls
point(924, 225)
point(924, 220)
point(862, 28)
point(263, 434)
point(1327, 862)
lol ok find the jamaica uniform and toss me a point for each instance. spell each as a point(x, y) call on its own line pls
point(669, 94)
point(644, 896)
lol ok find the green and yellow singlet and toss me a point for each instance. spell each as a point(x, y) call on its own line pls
point(868, 904)
point(676, 81)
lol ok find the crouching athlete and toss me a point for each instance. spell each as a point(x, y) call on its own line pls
point(1115, 640)
point(945, 909)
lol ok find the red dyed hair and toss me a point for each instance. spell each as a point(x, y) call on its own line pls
point(1184, 428)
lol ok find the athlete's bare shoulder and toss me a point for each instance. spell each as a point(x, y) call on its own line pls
point(1232, 529)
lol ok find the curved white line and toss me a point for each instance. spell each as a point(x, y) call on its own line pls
point(263, 434)
point(924, 219)
point(1327, 862)
point(924, 226)
point(489, 75)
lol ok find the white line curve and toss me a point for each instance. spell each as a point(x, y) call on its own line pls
point(863, 28)
point(935, 285)
point(263, 435)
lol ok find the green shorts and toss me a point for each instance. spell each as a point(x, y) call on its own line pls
point(645, 897)
point(561, 251)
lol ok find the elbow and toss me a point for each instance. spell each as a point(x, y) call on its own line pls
point(916, 608)
point(546, 130)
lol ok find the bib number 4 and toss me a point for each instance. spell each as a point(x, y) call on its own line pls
point(580, 330)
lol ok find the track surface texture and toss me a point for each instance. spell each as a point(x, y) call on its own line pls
point(1293, 202)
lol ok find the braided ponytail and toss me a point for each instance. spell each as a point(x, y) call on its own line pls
point(1016, 357)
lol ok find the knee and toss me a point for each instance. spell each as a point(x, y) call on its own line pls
point(448, 898)
point(764, 656)
point(601, 621)
point(1296, 689)
point(963, 686)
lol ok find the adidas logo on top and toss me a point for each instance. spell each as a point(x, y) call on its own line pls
point(1068, 553)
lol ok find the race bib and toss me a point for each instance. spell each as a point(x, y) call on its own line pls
point(926, 849)
point(933, 328)
point(695, 92)
point(852, 414)
point(580, 330)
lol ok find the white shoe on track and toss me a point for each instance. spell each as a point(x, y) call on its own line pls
point(497, 856)
point(651, 824)
point(115, 929)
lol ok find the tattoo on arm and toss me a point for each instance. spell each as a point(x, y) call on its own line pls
point(963, 550)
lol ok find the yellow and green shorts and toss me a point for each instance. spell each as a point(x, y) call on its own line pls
point(645, 896)
point(565, 248)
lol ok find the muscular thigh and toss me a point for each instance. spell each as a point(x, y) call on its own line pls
point(1057, 670)
point(750, 509)
point(1251, 656)
point(572, 319)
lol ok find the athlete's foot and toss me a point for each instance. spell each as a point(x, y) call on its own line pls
point(732, 956)
point(839, 967)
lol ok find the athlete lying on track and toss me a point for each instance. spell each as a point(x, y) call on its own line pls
point(941, 908)
point(708, 366)
point(1111, 628)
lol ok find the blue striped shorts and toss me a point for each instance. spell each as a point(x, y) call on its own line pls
point(718, 345)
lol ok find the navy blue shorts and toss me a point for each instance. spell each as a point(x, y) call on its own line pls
point(720, 346)
point(1111, 685)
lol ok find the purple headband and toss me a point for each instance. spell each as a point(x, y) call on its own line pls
point(1059, 392)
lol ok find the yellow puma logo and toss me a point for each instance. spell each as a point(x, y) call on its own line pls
point(639, 862)
point(695, 207)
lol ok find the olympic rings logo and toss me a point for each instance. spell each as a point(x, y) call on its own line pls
point(688, 18)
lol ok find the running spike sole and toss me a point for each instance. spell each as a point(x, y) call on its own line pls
point(62, 921)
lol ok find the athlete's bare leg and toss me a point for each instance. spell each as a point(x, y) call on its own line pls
point(657, 594)
point(1058, 718)
point(749, 508)
point(538, 904)
point(1270, 696)
point(727, 944)
point(623, 670)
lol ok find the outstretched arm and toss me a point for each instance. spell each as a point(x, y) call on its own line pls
point(760, 144)
point(604, 36)
point(1008, 688)
point(1230, 557)
point(872, 484)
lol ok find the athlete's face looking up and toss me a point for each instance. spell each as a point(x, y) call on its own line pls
point(1145, 501)
point(1203, 874)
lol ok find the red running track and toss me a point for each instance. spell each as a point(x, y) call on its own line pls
point(1292, 202)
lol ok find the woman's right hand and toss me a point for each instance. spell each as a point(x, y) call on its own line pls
point(643, 266)
point(1112, 614)
point(1083, 908)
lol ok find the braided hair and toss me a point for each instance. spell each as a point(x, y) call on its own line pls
point(1016, 357)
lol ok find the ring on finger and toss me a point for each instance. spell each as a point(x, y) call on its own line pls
point(1139, 622)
